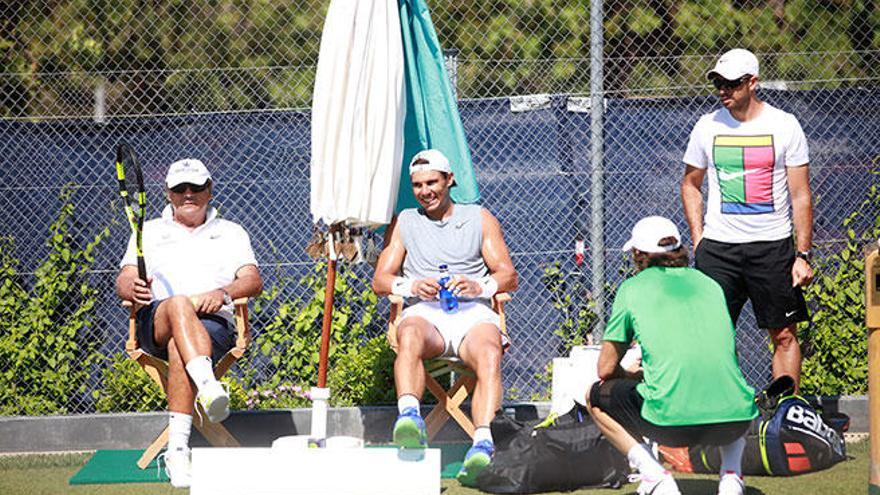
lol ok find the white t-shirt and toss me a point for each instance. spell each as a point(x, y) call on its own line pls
point(192, 262)
point(748, 187)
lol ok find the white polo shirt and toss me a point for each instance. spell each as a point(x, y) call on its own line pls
point(192, 262)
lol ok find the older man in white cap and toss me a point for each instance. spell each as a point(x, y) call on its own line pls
point(758, 156)
point(468, 240)
point(689, 389)
point(196, 264)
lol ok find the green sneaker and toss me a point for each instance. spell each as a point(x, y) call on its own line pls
point(410, 431)
point(477, 458)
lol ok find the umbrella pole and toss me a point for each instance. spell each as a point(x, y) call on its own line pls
point(329, 292)
point(321, 394)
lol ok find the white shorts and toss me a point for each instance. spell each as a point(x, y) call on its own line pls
point(454, 326)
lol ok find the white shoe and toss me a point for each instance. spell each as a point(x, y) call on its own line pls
point(731, 484)
point(664, 485)
point(215, 400)
point(178, 467)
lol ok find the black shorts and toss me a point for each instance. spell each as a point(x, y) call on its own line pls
point(219, 329)
point(760, 271)
point(619, 399)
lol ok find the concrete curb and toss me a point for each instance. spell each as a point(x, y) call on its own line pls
point(260, 428)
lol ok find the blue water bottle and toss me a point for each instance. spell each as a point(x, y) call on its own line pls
point(448, 301)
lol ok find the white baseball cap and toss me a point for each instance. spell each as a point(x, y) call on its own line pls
point(734, 64)
point(649, 231)
point(434, 160)
point(189, 171)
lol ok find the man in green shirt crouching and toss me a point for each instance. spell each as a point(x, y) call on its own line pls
point(689, 389)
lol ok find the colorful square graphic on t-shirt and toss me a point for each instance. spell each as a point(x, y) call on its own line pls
point(744, 165)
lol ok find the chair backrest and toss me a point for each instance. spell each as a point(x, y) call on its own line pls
point(498, 301)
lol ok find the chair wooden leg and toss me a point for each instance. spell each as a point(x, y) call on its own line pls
point(153, 450)
point(448, 405)
point(215, 433)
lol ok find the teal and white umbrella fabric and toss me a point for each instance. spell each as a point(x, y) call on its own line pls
point(381, 95)
point(357, 114)
point(432, 118)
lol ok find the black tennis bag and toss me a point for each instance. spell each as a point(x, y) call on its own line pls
point(558, 454)
point(789, 438)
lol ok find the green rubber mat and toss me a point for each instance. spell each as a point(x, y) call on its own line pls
point(120, 466)
point(117, 466)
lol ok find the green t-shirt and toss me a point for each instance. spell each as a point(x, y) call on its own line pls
point(680, 319)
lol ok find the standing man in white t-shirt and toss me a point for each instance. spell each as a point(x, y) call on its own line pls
point(757, 159)
point(197, 264)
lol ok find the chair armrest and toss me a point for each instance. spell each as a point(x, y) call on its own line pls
point(393, 319)
point(498, 301)
point(242, 323)
point(131, 343)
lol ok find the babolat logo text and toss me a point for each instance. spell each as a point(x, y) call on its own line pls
point(809, 419)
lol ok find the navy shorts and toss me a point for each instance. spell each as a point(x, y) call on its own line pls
point(219, 329)
point(756, 271)
point(619, 399)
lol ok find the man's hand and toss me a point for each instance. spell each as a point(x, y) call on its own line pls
point(140, 291)
point(463, 286)
point(426, 289)
point(209, 302)
point(801, 273)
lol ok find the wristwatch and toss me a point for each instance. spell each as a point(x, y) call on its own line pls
point(226, 299)
point(805, 255)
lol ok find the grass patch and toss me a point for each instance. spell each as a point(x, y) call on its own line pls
point(48, 474)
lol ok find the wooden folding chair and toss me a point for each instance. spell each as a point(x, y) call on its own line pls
point(448, 401)
point(215, 433)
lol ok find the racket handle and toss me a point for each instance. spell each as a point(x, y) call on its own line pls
point(142, 269)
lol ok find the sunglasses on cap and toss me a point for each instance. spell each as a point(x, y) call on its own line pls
point(181, 188)
point(721, 83)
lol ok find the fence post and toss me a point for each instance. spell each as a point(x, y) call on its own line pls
point(597, 158)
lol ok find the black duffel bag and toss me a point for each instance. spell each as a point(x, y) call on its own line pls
point(566, 453)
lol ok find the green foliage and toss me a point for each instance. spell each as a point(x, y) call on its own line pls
point(127, 388)
point(291, 335)
point(576, 316)
point(43, 348)
point(835, 342)
point(283, 396)
point(152, 56)
point(365, 375)
point(573, 302)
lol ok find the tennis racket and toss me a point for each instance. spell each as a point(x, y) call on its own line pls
point(131, 188)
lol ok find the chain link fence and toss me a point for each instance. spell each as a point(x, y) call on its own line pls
point(230, 82)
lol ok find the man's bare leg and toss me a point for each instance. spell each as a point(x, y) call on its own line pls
point(416, 340)
point(481, 351)
point(176, 321)
point(786, 353)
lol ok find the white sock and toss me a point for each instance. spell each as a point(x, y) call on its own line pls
point(642, 459)
point(483, 433)
point(406, 401)
point(201, 371)
point(731, 456)
point(179, 426)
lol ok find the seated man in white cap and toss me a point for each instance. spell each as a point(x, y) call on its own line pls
point(689, 389)
point(196, 265)
point(468, 240)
